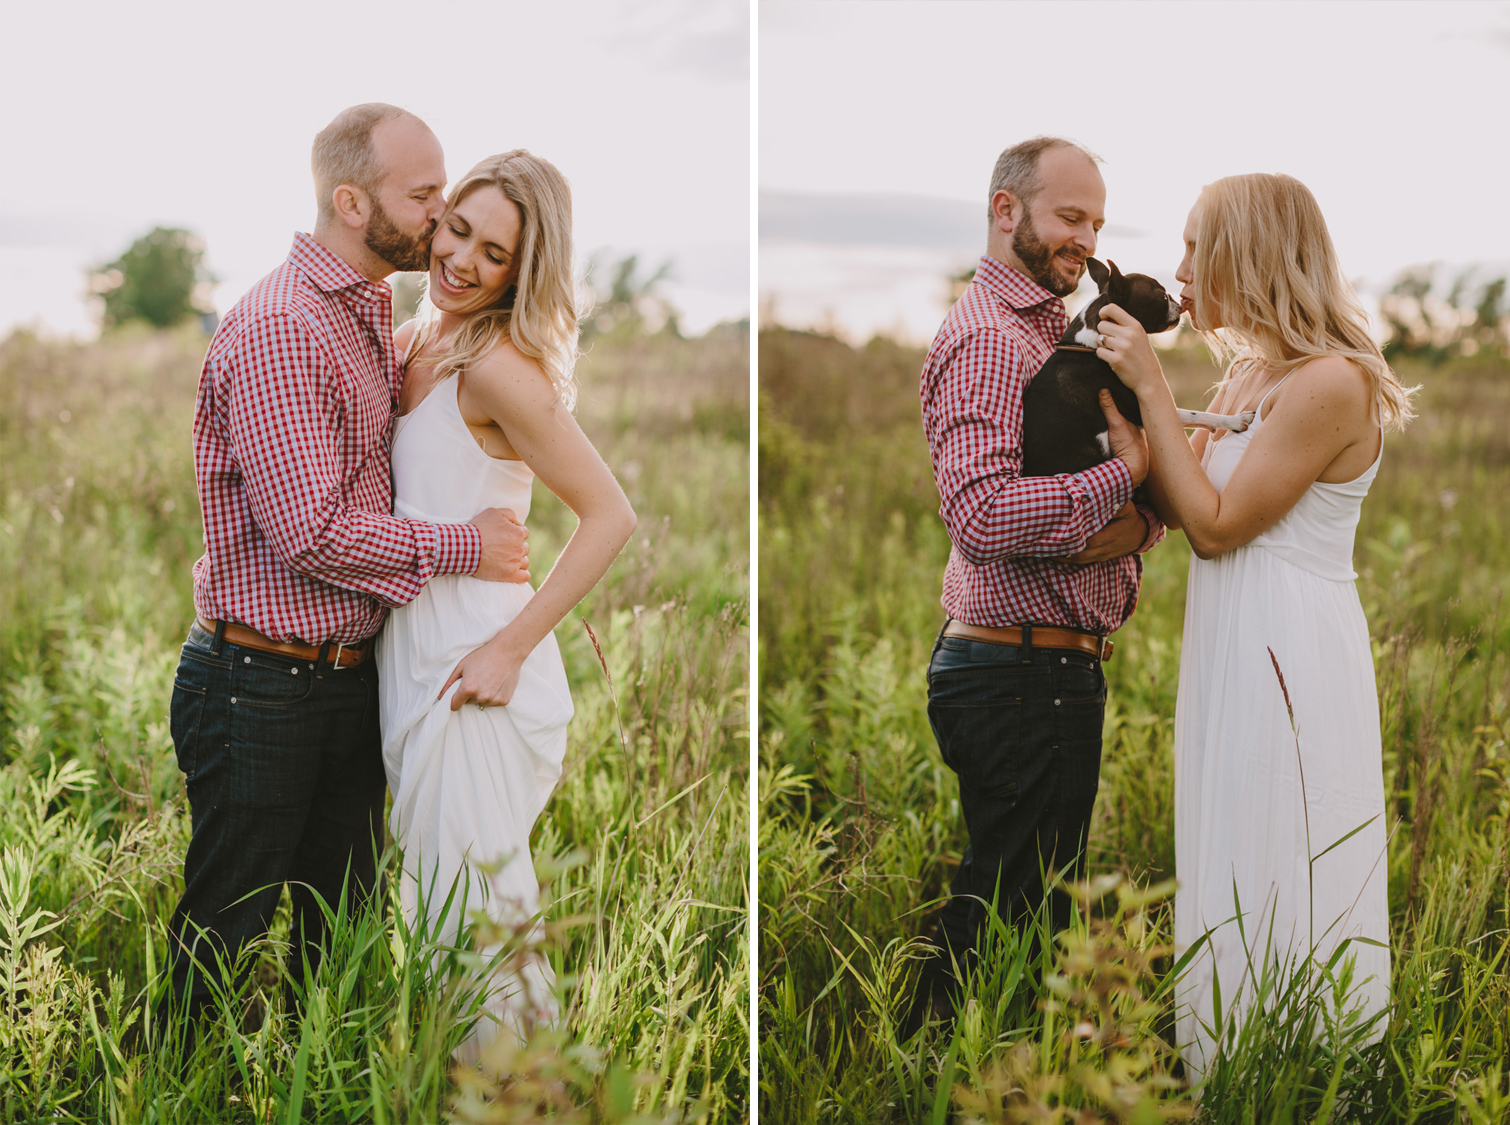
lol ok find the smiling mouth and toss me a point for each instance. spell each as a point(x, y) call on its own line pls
point(452, 281)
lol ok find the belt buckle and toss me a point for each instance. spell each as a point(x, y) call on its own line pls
point(335, 661)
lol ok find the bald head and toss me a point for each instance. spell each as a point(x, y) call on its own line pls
point(1019, 168)
point(347, 152)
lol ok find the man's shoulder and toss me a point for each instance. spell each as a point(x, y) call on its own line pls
point(980, 311)
point(285, 298)
point(977, 317)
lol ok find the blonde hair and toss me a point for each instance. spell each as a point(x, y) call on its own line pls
point(1266, 267)
point(540, 311)
point(343, 153)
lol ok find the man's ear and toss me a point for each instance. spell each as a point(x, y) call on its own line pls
point(1002, 205)
point(351, 206)
point(1098, 273)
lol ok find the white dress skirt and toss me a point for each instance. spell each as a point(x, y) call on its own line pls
point(1243, 820)
point(468, 785)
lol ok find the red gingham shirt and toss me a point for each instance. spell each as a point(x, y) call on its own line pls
point(1007, 530)
point(291, 444)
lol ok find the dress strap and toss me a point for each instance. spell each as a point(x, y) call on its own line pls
point(413, 339)
point(1258, 411)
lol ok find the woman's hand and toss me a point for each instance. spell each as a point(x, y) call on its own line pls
point(486, 676)
point(1125, 346)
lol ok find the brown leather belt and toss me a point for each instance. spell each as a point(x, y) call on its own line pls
point(334, 652)
point(1043, 636)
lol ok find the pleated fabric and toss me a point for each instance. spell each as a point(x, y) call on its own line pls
point(468, 785)
point(1255, 799)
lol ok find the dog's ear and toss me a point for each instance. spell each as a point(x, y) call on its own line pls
point(1098, 273)
point(1116, 283)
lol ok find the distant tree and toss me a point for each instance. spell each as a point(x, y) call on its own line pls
point(159, 279)
point(1431, 327)
point(629, 305)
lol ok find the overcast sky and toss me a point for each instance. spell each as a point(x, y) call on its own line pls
point(1394, 114)
point(118, 116)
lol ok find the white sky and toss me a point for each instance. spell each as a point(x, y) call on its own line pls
point(1394, 114)
point(118, 116)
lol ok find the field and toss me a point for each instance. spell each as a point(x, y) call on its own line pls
point(859, 820)
point(643, 848)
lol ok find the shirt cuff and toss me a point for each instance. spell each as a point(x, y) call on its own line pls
point(1107, 487)
point(1155, 529)
point(458, 548)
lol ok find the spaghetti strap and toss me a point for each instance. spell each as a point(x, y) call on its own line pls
point(413, 339)
point(1258, 410)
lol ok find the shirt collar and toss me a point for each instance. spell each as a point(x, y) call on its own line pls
point(330, 272)
point(1018, 290)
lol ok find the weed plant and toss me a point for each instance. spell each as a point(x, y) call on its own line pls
point(860, 825)
point(642, 850)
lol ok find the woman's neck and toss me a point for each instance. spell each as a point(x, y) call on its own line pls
point(447, 323)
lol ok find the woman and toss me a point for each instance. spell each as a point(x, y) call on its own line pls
point(1270, 514)
point(474, 699)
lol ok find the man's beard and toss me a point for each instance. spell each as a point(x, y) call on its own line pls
point(1035, 254)
point(399, 250)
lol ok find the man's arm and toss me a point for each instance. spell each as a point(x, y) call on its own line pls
point(974, 422)
point(278, 420)
point(1136, 528)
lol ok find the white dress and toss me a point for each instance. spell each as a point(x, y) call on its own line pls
point(467, 785)
point(1240, 810)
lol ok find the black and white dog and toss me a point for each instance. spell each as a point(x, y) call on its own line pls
point(1063, 428)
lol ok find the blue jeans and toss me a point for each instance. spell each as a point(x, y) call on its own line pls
point(284, 769)
point(1022, 730)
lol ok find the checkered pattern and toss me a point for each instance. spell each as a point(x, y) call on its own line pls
point(1009, 532)
point(291, 443)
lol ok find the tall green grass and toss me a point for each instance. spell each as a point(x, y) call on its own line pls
point(860, 825)
point(642, 850)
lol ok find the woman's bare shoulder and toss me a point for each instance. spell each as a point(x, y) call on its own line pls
point(1335, 378)
point(404, 333)
point(507, 370)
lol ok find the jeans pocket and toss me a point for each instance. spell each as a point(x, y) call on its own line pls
point(1079, 679)
point(185, 714)
point(980, 742)
point(264, 680)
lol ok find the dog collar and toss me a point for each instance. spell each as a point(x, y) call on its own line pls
point(1074, 348)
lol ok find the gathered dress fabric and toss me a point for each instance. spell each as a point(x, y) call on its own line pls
point(1252, 808)
point(469, 784)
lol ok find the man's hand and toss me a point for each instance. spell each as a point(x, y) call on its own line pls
point(1126, 440)
point(1122, 536)
point(505, 546)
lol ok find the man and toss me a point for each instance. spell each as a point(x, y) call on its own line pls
point(274, 713)
point(1041, 568)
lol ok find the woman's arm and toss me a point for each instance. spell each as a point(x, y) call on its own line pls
point(520, 399)
point(1320, 415)
point(1153, 487)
